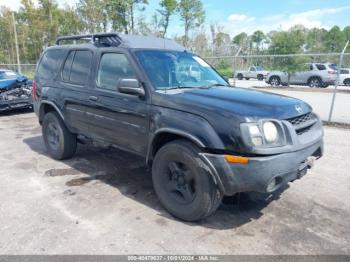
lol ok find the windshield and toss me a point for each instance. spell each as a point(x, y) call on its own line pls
point(172, 69)
point(7, 75)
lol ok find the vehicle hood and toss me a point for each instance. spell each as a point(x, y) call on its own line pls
point(244, 102)
point(7, 82)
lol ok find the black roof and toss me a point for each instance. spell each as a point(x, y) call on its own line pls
point(126, 41)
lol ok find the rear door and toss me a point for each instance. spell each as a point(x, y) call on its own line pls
point(75, 93)
point(301, 78)
point(118, 118)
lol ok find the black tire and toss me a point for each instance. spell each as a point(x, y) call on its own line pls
point(60, 143)
point(347, 82)
point(240, 77)
point(247, 78)
point(260, 77)
point(275, 81)
point(182, 183)
point(315, 82)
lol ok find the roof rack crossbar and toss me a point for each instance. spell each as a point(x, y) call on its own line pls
point(111, 39)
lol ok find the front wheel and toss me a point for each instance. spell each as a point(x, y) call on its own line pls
point(60, 143)
point(182, 182)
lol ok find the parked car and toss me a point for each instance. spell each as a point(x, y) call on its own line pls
point(318, 75)
point(345, 76)
point(15, 91)
point(256, 72)
point(202, 138)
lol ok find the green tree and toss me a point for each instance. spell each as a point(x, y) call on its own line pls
point(284, 43)
point(257, 38)
point(93, 14)
point(335, 40)
point(168, 8)
point(121, 13)
point(192, 15)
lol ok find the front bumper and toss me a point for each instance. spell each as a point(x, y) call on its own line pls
point(258, 174)
point(6, 105)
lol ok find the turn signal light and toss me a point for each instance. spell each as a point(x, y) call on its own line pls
point(237, 159)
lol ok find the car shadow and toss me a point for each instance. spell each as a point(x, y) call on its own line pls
point(128, 174)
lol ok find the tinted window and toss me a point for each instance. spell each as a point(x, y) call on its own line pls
point(334, 67)
point(50, 64)
point(252, 69)
point(67, 66)
point(113, 67)
point(344, 71)
point(321, 67)
point(80, 67)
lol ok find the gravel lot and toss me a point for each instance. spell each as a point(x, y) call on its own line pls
point(102, 202)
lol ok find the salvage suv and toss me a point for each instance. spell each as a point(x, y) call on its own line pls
point(202, 138)
point(319, 75)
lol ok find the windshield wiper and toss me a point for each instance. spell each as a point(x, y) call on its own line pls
point(214, 85)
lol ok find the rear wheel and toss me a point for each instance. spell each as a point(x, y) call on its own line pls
point(347, 82)
point(182, 183)
point(240, 77)
point(60, 143)
point(275, 81)
point(315, 82)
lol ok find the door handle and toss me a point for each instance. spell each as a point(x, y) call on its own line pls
point(93, 98)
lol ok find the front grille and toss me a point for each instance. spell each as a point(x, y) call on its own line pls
point(295, 121)
point(302, 124)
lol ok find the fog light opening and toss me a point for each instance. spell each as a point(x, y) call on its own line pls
point(274, 184)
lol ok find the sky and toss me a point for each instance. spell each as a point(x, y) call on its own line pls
point(236, 16)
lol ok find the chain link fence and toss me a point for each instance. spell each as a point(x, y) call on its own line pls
point(25, 69)
point(319, 98)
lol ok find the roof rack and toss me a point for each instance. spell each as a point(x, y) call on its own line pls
point(108, 39)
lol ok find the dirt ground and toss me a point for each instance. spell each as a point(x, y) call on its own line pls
point(102, 202)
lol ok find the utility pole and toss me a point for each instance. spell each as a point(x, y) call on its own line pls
point(16, 43)
point(337, 82)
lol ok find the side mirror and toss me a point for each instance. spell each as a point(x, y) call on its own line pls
point(130, 87)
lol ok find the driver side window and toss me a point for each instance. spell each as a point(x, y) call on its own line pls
point(112, 68)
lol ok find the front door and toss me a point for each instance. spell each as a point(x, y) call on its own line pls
point(118, 118)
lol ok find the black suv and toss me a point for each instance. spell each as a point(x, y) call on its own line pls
point(150, 96)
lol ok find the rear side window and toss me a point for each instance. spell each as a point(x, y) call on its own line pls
point(344, 71)
point(321, 67)
point(77, 67)
point(113, 67)
point(50, 64)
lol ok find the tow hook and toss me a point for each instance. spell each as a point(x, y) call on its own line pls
point(305, 165)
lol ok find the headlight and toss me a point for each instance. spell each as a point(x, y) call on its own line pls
point(270, 132)
point(264, 133)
